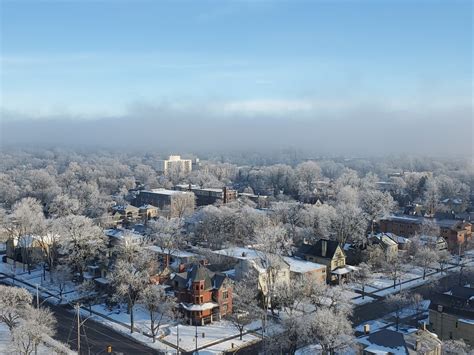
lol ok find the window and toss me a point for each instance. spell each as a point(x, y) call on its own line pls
point(197, 299)
point(225, 295)
point(456, 324)
point(202, 286)
point(450, 335)
point(201, 299)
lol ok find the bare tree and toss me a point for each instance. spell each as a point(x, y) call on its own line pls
point(182, 204)
point(350, 223)
point(444, 257)
point(394, 267)
point(167, 235)
point(14, 304)
point(416, 302)
point(332, 330)
point(397, 302)
point(362, 275)
point(424, 258)
point(376, 204)
point(130, 279)
point(307, 174)
point(31, 331)
point(159, 305)
point(244, 304)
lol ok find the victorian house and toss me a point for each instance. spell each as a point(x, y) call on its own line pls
point(204, 296)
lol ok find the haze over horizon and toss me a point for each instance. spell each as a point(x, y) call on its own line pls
point(342, 77)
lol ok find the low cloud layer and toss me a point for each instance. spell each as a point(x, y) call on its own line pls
point(259, 126)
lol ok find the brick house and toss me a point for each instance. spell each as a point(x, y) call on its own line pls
point(455, 232)
point(204, 296)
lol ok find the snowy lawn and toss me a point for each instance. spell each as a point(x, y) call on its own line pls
point(208, 335)
point(119, 314)
point(47, 348)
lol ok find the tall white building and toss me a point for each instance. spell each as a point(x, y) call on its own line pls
point(174, 162)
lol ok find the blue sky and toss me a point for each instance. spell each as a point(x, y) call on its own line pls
point(102, 58)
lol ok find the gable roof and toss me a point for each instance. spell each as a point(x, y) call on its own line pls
point(316, 249)
point(385, 341)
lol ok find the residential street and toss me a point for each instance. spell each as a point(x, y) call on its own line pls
point(378, 308)
point(97, 336)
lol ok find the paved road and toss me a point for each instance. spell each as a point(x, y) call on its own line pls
point(378, 308)
point(95, 337)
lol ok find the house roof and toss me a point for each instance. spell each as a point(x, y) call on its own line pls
point(302, 266)
point(316, 249)
point(452, 224)
point(458, 301)
point(384, 239)
point(385, 341)
point(197, 272)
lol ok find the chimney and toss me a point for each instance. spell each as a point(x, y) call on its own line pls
point(366, 328)
point(423, 326)
point(417, 344)
point(324, 247)
point(440, 308)
point(224, 190)
point(190, 187)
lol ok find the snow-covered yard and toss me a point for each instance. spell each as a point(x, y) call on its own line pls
point(47, 348)
point(207, 335)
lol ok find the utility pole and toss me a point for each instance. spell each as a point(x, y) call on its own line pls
point(177, 339)
point(78, 329)
point(196, 352)
point(37, 296)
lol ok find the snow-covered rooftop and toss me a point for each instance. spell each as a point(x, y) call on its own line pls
point(302, 266)
point(199, 307)
point(165, 192)
point(239, 253)
point(175, 253)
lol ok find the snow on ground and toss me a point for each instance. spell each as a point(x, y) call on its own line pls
point(207, 335)
point(7, 348)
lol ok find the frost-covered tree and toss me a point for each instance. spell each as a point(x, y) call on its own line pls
point(38, 324)
point(307, 173)
point(82, 242)
point(425, 257)
point(319, 219)
point(394, 267)
point(63, 205)
point(182, 205)
point(376, 205)
point(245, 307)
point(457, 347)
point(130, 280)
point(25, 221)
point(14, 304)
point(332, 330)
point(167, 235)
point(444, 257)
point(362, 275)
point(431, 197)
point(350, 223)
point(159, 304)
point(397, 302)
